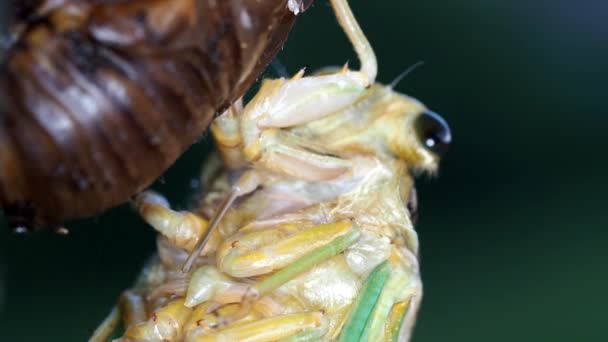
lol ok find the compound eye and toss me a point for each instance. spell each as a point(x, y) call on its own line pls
point(433, 132)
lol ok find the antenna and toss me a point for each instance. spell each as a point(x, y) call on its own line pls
point(406, 72)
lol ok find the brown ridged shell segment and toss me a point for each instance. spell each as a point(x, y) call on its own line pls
point(98, 98)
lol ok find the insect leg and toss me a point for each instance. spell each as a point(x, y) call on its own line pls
point(367, 57)
point(211, 282)
point(291, 256)
point(107, 327)
point(281, 155)
point(132, 306)
point(227, 135)
point(268, 329)
point(181, 228)
point(278, 247)
point(283, 103)
point(247, 183)
point(208, 283)
point(306, 262)
point(165, 324)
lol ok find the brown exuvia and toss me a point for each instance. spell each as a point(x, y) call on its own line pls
point(99, 97)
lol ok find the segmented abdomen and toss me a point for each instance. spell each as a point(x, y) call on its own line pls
point(97, 99)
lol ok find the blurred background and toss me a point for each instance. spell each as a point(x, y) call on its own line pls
point(513, 231)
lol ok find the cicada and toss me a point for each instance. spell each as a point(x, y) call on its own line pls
point(305, 230)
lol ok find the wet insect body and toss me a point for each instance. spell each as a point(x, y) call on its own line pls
point(314, 240)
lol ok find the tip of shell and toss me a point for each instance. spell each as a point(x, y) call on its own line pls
point(295, 6)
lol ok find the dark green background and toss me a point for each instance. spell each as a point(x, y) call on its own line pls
point(514, 229)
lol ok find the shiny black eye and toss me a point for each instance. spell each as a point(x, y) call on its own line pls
point(433, 132)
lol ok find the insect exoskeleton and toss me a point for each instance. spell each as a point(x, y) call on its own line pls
point(98, 98)
point(307, 234)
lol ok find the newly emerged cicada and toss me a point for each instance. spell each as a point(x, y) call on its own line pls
point(305, 229)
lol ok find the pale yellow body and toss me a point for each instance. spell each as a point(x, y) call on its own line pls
point(288, 250)
point(271, 229)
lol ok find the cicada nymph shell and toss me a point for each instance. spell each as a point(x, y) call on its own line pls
point(99, 97)
point(304, 231)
